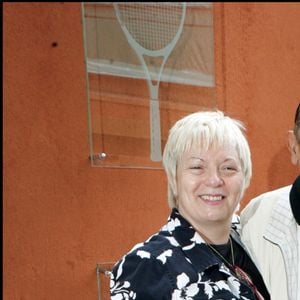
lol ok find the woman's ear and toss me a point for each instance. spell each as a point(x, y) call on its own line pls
point(292, 145)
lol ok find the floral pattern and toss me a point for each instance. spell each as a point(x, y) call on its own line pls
point(175, 264)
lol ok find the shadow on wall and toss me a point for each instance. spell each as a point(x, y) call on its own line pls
point(281, 171)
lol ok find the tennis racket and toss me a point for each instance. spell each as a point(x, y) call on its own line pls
point(152, 30)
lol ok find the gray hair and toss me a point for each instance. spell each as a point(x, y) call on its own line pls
point(206, 129)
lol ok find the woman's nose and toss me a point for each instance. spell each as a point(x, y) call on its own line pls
point(213, 179)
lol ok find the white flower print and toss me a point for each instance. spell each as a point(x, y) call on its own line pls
point(197, 239)
point(120, 268)
point(208, 289)
point(172, 224)
point(185, 291)
point(234, 285)
point(188, 247)
point(182, 280)
point(143, 254)
point(192, 290)
point(172, 241)
point(164, 255)
point(121, 292)
point(221, 285)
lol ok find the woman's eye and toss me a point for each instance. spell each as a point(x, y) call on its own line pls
point(196, 167)
point(229, 169)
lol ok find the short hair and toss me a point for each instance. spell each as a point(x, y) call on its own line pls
point(207, 129)
point(297, 124)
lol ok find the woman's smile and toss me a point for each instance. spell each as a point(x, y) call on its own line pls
point(212, 198)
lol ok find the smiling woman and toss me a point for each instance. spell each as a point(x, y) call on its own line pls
point(198, 253)
point(209, 187)
point(207, 132)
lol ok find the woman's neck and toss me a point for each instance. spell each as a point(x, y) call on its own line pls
point(214, 233)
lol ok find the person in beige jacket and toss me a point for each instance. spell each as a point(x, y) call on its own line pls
point(271, 232)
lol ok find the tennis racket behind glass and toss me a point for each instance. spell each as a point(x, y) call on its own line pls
point(152, 30)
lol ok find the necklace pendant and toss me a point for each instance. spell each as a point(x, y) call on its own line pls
point(244, 277)
point(238, 272)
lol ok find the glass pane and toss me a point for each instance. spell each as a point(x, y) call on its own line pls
point(118, 88)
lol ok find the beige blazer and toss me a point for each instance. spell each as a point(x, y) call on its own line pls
point(269, 232)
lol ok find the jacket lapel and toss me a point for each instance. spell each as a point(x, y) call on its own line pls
point(192, 244)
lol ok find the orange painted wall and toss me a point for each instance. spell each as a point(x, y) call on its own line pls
point(261, 71)
point(61, 216)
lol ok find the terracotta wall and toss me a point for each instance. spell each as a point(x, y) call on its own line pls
point(61, 216)
point(261, 71)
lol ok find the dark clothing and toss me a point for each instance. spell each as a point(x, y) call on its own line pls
point(243, 260)
point(176, 263)
point(295, 199)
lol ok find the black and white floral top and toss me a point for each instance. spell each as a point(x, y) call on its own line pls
point(175, 263)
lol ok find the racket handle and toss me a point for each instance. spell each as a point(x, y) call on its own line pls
point(155, 134)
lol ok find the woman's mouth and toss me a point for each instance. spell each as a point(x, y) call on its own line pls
point(213, 198)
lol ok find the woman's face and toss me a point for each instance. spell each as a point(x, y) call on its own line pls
point(209, 185)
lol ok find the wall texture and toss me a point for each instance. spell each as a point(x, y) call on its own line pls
point(61, 216)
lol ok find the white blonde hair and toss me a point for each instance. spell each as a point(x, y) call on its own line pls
point(206, 129)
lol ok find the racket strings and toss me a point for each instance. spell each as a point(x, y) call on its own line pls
point(153, 25)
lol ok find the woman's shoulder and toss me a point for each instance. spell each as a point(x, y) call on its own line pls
point(155, 246)
point(147, 262)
